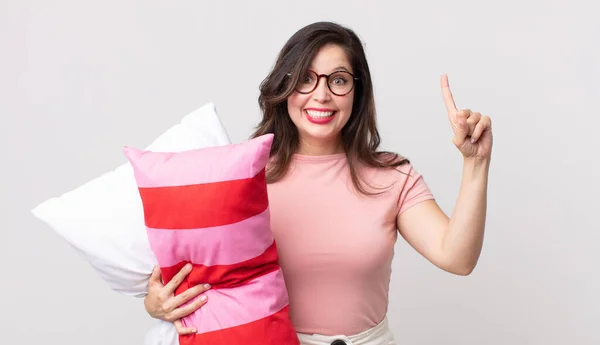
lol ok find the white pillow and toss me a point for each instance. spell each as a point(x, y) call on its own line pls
point(104, 220)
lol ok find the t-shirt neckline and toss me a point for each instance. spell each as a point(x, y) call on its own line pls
point(319, 158)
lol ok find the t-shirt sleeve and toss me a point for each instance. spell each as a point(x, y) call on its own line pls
point(414, 189)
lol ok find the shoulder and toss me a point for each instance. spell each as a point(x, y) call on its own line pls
point(394, 165)
point(392, 174)
point(398, 175)
point(405, 181)
point(399, 172)
point(391, 156)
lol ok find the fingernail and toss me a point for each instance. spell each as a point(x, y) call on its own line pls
point(193, 330)
point(473, 140)
point(188, 266)
point(203, 298)
point(207, 286)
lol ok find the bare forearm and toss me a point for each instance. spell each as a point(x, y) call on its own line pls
point(464, 238)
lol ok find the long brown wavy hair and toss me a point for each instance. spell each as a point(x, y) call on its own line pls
point(360, 136)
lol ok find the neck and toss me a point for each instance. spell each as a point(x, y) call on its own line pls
point(320, 147)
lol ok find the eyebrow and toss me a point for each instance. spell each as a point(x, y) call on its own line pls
point(341, 67)
point(337, 69)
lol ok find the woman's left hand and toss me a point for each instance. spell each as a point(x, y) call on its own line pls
point(472, 131)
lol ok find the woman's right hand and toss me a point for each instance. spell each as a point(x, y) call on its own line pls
point(161, 302)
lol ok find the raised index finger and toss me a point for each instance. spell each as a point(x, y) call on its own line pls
point(447, 94)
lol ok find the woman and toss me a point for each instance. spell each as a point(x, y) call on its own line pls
point(337, 204)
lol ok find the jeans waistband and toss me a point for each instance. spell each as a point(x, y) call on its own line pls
point(378, 335)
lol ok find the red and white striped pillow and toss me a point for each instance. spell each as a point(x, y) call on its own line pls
point(209, 207)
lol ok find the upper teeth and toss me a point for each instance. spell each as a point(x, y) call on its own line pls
point(315, 113)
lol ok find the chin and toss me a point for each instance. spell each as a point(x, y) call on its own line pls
point(321, 135)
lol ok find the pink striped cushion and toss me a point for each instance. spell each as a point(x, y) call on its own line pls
point(209, 207)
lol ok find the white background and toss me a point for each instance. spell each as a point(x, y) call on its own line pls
point(81, 79)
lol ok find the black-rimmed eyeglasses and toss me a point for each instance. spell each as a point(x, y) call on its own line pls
point(340, 83)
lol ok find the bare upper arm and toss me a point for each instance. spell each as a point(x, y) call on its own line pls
point(423, 226)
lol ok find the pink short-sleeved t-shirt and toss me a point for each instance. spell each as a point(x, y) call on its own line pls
point(336, 245)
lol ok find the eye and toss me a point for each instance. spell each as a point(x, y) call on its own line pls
point(339, 79)
point(306, 79)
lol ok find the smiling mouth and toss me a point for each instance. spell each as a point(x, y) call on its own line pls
point(316, 114)
point(319, 117)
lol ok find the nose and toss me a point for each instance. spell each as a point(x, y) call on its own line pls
point(321, 93)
